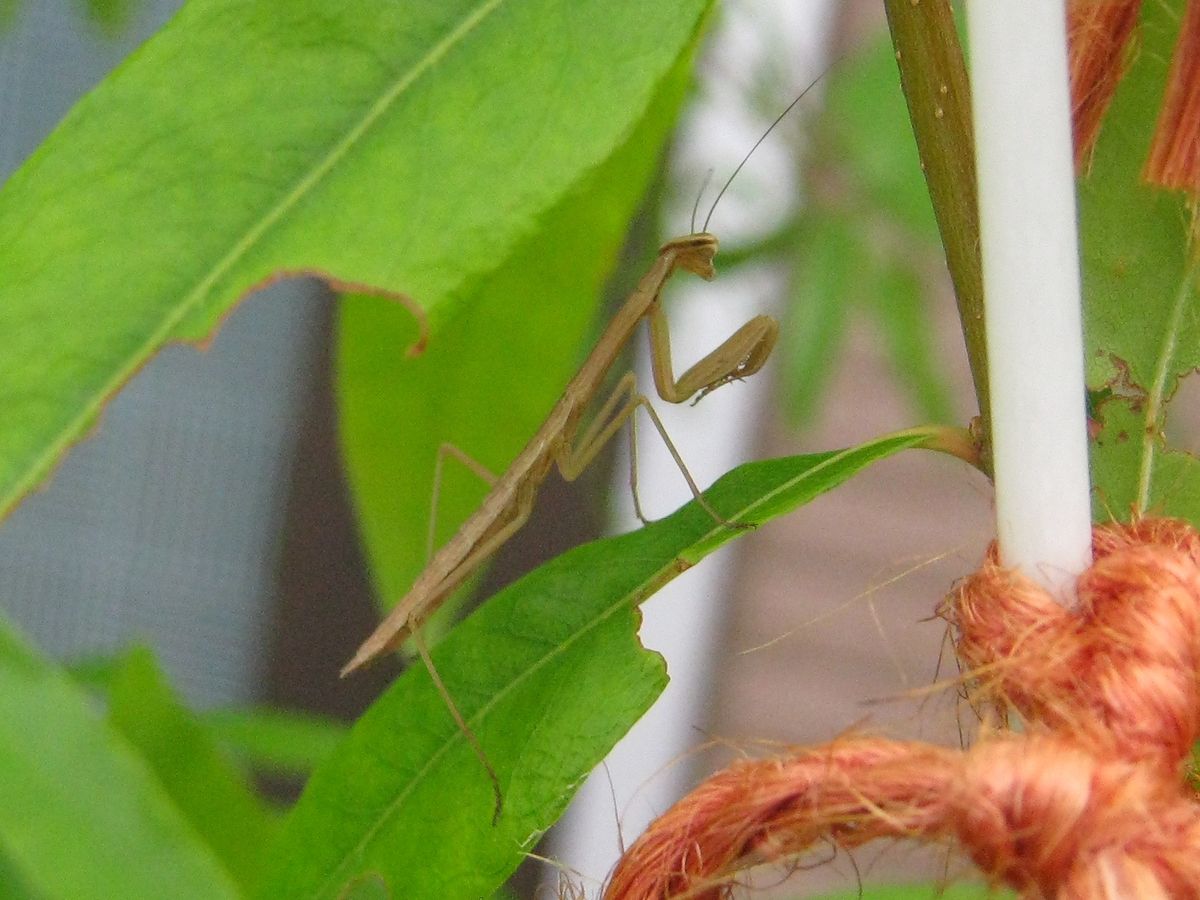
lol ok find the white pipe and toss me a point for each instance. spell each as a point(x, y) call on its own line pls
point(1030, 253)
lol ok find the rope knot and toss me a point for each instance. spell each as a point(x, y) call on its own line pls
point(1121, 669)
point(1089, 800)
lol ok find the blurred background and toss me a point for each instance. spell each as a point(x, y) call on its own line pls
point(208, 515)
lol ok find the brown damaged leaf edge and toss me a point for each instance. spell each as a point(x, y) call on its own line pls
point(664, 576)
point(203, 343)
point(343, 286)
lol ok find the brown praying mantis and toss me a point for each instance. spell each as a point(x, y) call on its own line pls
point(561, 443)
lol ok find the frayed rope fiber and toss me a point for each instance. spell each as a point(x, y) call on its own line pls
point(1091, 799)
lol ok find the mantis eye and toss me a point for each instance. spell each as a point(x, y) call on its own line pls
point(694, 253)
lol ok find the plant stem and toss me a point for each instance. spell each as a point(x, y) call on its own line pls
point(934, 77)
point(1030, 256)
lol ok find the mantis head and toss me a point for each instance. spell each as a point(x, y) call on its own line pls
point(694, 253)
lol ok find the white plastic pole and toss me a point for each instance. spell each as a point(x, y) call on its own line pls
point(1021, 103)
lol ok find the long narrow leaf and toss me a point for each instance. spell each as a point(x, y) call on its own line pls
point(550, 674)
point(278, 741)
point(208, 790)
point(81, 815)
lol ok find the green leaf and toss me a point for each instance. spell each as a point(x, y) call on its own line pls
point(81, 815)
point(899, 301)
point(1142, 323)
point(864, 234)
point(1132, 469)
point(865, 127)
point(13, 883)
point(369, 887)
point(1135, 240)
point(210, 792)
point(399, 147)
point(285, 742)
point(822, 285)
point(264, 739)
point(487, 381)
point(94, 672)
point(550, 674)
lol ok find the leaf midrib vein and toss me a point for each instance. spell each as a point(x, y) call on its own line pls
point(91, 406)
point(1156, 396)
point(660, 576)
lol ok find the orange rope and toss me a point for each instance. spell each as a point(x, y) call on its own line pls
point(1090, 800)
point(1098, 36)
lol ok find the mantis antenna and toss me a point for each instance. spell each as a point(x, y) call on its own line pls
point(745, 159)
point(699, 196)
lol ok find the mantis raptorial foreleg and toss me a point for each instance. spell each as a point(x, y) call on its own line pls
point(739, 356)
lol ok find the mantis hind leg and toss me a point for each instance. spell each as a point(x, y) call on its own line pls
point(621, 405)
point(419, 642)
point(487, 546)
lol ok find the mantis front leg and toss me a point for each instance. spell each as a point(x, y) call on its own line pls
point(739, 356)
